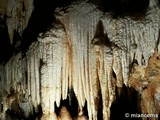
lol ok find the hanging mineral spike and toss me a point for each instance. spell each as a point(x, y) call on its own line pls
point(83, 64)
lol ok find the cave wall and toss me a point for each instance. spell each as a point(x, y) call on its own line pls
point(85, 51)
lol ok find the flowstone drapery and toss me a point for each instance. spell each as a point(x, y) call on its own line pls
point(86, 51)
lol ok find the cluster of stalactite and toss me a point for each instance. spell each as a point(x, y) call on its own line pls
point(87, 52)
point(13, 87)
point(17, 14)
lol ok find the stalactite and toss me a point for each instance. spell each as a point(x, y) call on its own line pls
point(86, 51)
point(33, 80)
point(117, 67)
point(28, 74)
point(98, 70)
point(33, 74)
point(18, 14)
point(52, 70)
point(83, 62)
point(51, 75)
point(44, 82)
point(37, 74)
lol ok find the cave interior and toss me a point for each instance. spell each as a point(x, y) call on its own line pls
point(127, 99)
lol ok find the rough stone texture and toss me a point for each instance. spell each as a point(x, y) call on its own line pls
point(147, 83)
point(87, 51)
point(17, 14)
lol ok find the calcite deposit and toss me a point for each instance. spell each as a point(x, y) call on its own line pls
point(85, 52)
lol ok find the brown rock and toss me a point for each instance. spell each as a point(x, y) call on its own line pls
point(64, 114)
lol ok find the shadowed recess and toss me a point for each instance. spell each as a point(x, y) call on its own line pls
point(127, 101)
point(125, 6)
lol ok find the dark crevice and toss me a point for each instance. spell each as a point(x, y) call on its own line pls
point(5, 47)
point(17, 114)
point(114, 75)
point(158, 41)
point(127, 102)
point(134, 62)
point(119, 7)
point(100, 112)
point(71, 104)
point(40, 20)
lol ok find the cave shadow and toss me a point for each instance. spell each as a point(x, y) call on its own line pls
point(127, 7)
point(42, 18)
point(71, 103)
point(127, 103)
point(5, 46)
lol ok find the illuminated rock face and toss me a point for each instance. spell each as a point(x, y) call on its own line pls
point(147, 83)
point(87, 52)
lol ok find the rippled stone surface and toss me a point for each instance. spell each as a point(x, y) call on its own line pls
point(88, 52)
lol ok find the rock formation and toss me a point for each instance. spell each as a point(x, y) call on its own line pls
point(87, 53)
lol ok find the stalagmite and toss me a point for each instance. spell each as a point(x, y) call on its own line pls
point(81, 116)
point(52, 116)
point(64, 114)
